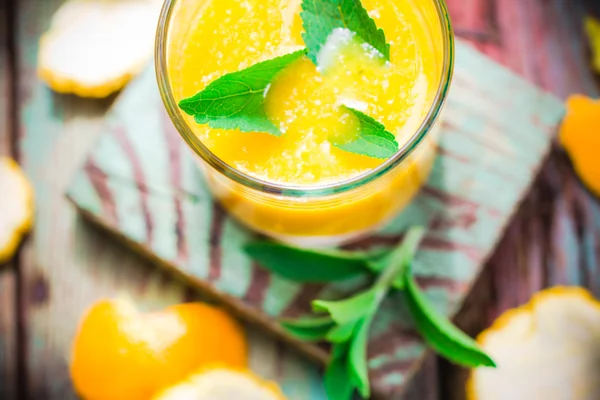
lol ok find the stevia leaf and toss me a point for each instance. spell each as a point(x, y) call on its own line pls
point(337, 380)
point(308, 266)
point(348, 310)
point(439, 332)
point(358, 357)
point(373, 140)
point(309, 329)
point(341, 333)
point(236, 100)
point(322, 17)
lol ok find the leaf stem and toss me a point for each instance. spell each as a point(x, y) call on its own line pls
point(401, 257)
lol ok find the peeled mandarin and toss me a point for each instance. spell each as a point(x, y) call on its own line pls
point(120, 353)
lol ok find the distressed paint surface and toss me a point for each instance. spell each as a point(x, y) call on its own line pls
point(498, 129)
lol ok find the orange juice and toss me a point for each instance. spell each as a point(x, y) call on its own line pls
point(299, 187)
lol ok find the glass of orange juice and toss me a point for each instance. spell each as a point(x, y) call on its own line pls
point(297, 187)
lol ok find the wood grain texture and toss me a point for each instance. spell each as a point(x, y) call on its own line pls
point(555, 237)
point(42, 133)
point(128, 186)
point(8, 317)
point(542, 40)
point(67, 264)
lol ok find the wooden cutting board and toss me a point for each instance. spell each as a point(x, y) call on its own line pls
point(141, 183)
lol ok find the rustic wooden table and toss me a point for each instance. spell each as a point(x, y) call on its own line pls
point(67, 264)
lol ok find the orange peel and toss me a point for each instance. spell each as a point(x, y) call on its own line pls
point(580, 136)
point(120, 353)
point(592, 29)
point(547, 349)
point(16, 207)
point(222, 384)
point(94, 47)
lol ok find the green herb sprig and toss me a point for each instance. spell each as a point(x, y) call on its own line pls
point(236, 100)
point(321, 17)
point(345, 323)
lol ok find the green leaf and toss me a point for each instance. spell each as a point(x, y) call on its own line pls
point(341, 333)
point(337, 378)
point(309, 329)
point(307, 266)
point(373, 140)
point(348, 310)
point(236, 100)
point(358, 357)
point(398, 262)
point(439, 332)
point(322, 17)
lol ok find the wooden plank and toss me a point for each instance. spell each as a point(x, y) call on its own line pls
point(508, 31)
point(8, 295)
point(67, 265)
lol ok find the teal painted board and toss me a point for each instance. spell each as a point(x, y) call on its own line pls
point(141, 182)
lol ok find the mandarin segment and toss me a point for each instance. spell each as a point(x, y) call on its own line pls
point(120, 353)
point(547, 349)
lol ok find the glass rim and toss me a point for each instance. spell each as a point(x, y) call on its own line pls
point(289, 190)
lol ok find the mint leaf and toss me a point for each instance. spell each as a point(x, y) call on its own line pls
point(341, 333)
point(309, 329)
point(308, 266)
point(373, 139)
point(349, 310)
point(439, 332)
point(337, 375)
point(236, 100)
point(359, 370)
point(322, 17)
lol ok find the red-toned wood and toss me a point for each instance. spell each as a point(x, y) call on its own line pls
point(555, 237)
point(542, 40)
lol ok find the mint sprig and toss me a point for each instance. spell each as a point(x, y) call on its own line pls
point(322, 17)
point(347, 322)
point(373, 139)
point(236, 100)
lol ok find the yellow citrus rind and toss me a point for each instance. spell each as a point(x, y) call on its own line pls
point(222, 383)
point(570, 298)
point(592, 29)
point(95, 47)
point(578, 135)
point(16, 207)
